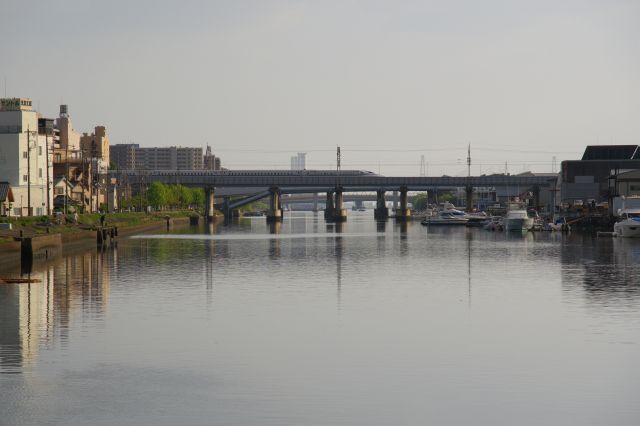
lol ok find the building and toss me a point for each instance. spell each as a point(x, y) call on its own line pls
point(96, 146)
point(67, 136)
point(210, 161)
point(131, 156)
point(299, 161)
point(588, 178)
point(24, 157)
point(84, 161)
point(123, 155)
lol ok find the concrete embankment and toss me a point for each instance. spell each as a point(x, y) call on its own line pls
point(23, 253)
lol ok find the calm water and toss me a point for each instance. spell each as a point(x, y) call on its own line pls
point(306, 323)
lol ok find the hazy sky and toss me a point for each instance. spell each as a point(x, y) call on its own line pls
point(388, 81)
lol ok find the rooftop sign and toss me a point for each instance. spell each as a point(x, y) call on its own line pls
point(15, 104)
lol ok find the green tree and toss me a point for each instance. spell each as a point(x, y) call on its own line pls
point(157, 194)
point(185, 196)
point(420, 201)
point(197, 197)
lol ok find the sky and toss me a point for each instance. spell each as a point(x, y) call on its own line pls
point(522, 82)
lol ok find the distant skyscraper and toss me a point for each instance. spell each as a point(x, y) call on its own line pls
point(299, 162)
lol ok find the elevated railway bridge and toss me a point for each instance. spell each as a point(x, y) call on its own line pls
point(254, 185)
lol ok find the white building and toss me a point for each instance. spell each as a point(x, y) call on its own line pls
point(299, 162)
point(23, 157)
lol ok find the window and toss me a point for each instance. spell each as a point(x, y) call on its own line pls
point(634, 187)
point(58, 158)
point(39, 173)
point(59, 191)
point(25, 178)
point(40, 150)
point(25, 155)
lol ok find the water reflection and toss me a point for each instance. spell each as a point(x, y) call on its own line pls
point(235, 321)
point(606, 269)
point(33, 315)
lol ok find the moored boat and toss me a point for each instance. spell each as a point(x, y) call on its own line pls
point(628, 225)
point(517, 219)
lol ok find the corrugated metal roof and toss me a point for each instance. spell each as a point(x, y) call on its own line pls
point(610, 152)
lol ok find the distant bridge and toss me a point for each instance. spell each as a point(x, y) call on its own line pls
point(258, 184)
point(298, 181)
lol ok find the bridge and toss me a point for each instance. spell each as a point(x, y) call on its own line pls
point(258, 184)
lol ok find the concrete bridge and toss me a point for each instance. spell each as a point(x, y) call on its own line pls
point(273, 183)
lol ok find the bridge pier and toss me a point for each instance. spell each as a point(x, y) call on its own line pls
point(469, 193)
point(339, 213)
point(228, 213)
point(275, 208)
point(209, 200)
point(381, 212)
point(403, 213)
point(329, 211)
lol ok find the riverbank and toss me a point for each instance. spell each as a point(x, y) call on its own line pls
point(81, 235)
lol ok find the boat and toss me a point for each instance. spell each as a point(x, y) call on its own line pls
point(478, 219)
point(517, 219)
point(494, 223)
point(628, 226)
point(445, 217)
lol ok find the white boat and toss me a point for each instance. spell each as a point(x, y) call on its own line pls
point(628, 225)
point(445, 217)
point(517, 219)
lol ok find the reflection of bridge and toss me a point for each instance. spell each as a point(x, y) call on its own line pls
point(258, 184)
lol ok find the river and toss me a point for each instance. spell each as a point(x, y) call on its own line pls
point(308, 323)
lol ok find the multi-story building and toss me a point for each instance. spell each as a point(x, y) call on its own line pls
point(96, 146)
point(84, 161)
point(131, 156)
point(24, 158)
point(210, 161)
point(123, 155)
point(299, 162)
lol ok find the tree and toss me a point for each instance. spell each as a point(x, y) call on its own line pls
point(420, 201)
point(185, 196)
point(198, 197)
point(157, 195)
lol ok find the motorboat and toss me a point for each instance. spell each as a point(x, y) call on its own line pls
point(494, 223)
point(477, 219)
point(628, 225)
point(445, 217)
point(517, 219)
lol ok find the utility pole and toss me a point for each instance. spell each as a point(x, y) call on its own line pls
point(469, 161)
point(338, 168)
